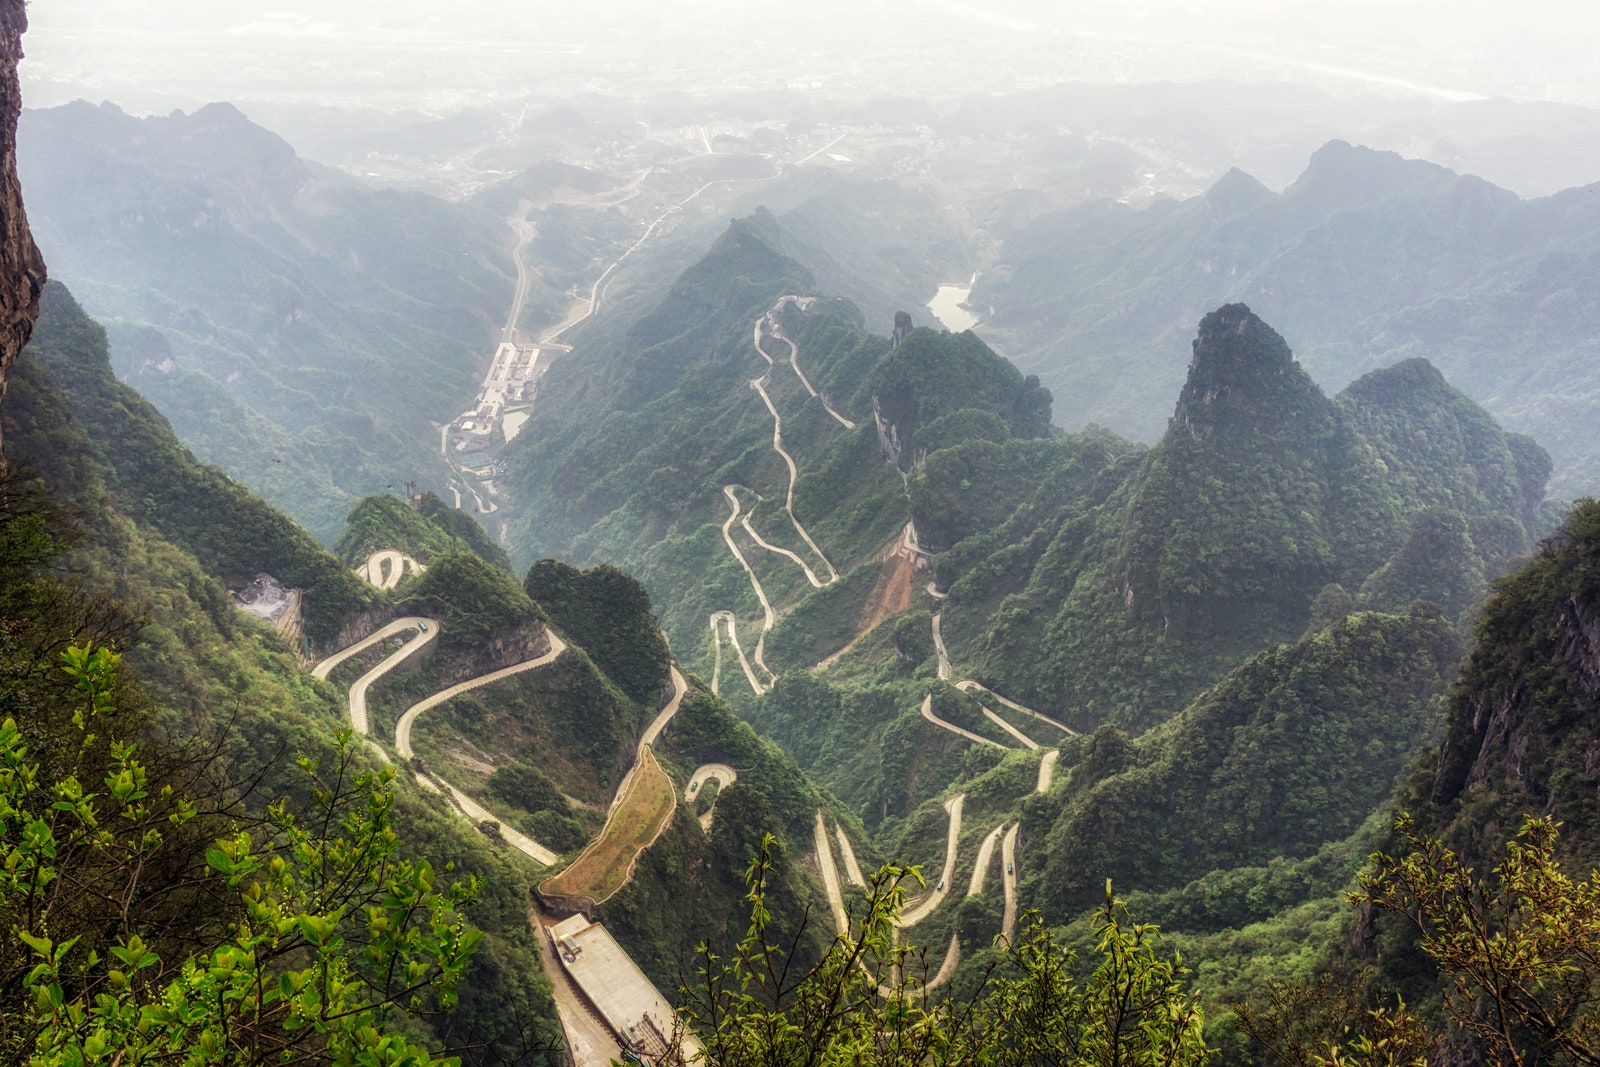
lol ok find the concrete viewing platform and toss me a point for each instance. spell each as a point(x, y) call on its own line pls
point(620, 993)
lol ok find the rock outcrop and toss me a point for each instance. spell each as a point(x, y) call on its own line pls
point(21, 267)
point(1524, 724)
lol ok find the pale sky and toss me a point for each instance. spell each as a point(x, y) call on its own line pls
point(203, 49)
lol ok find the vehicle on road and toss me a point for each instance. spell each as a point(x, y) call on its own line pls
point(693, 786)
point(1009, 870)
point(940, 887)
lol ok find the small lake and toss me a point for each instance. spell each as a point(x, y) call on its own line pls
point(946, 306)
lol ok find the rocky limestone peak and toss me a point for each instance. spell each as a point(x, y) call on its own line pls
point(1529, 698)
point(1239, 363)
point(21, 267)
point(1235, 193)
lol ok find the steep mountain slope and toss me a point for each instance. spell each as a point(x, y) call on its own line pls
point(1522, 724)
point(1519, 737)
point(21, 267)
point(211, 677)
point(1289, 752)
point(1367, 259)
point(543, 748)
point(299, 329)
point(232, 532)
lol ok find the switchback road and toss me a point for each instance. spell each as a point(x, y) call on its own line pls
point(788, 504)
point(769, 616)
point(726, 619)
point(927, 904)
point(373, 569)
point(591, 1040)
point(977, 739)
point(1008, 853)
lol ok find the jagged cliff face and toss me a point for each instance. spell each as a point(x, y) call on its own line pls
point(1524, 731)
point(21, 267)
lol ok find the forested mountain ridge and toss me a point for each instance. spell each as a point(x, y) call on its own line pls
point(1521, 728)
point(232, 532)
point(1262, 497)
point(1365, 260)
point(425, 531)
point(1290, 752)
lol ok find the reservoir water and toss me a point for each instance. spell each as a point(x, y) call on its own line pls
point(946, 306)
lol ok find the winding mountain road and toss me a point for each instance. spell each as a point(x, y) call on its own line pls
point(1026, 741)
point(979, 739)
point(970, 686)
point(851, 868)
point(525, 232)
point(598, 290)
point(943, 667)
point(720, 773)
point(1047, 770)
point(788, 504)
point(726, 618)
point(427, 630)
point(980, 870)
point(926, 905)
point(411, 622)
point(680, 686)
point(373, 570)
point(427, 633)
point(830, 877)
point(770, 616)
point(744, 521)
point(402, 728)
point(1008, 854)
point(794, 359)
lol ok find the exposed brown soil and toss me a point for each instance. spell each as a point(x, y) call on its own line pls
point(607, 864)
point(891, 593)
